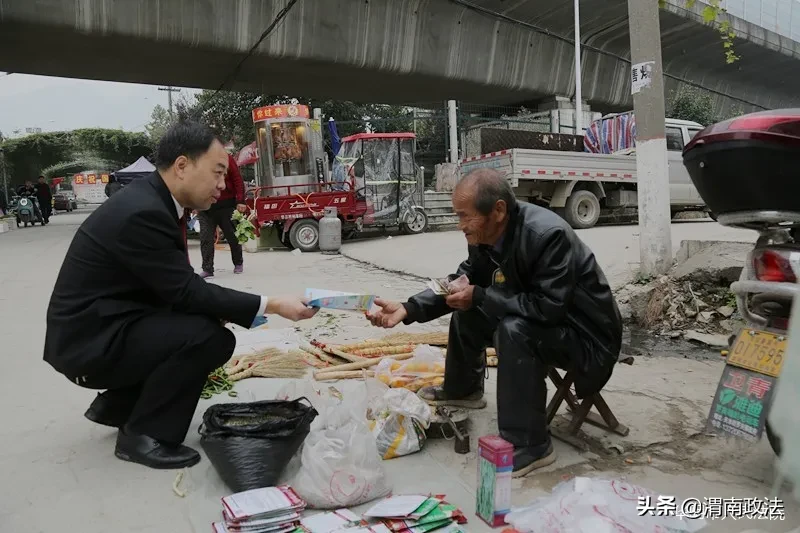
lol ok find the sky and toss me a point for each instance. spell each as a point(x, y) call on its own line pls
point(59, 104)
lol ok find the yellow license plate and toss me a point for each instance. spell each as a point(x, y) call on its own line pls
point(760, 351)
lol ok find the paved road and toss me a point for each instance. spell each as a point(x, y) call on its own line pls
point(616, 247)
point(58, 469)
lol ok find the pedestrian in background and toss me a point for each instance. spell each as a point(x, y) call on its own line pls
point(113, 186)
point(219, 215)
point(45, 197)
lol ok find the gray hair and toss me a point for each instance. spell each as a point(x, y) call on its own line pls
point(490, 187)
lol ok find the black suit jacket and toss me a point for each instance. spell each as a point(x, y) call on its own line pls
point(128, 260)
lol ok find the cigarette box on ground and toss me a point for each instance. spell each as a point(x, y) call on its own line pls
point(495, 463)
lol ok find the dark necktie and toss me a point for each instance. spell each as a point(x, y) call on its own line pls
point(183, 221)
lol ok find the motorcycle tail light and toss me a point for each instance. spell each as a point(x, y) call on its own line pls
point(772, 121)
point(773, 265)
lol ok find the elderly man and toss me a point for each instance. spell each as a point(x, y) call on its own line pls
point(128, 314)
point(537, 294)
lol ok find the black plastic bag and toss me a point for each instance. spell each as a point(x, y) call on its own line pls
point(250, 444)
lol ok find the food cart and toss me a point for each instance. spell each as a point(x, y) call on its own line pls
point(374, 181)
point(290, 150)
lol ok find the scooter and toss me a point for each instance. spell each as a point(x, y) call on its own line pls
point(746, 170)
point(27, 211)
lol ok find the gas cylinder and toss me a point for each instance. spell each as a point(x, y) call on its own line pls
point(330, 232)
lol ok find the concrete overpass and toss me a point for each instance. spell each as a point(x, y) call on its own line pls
point(404, 51)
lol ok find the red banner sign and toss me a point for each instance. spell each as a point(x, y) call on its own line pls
point(92, 179)
point(78, 180)
point(104, 178)
point(280, 111)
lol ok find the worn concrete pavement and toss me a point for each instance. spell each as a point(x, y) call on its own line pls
point(434, 255)
point(59, 471)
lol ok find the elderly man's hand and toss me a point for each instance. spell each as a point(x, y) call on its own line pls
point(388, 314)
point(461, 300)
point(290, 307)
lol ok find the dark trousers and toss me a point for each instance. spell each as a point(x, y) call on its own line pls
point(209, 220)
point(46, 207)
point(165, 361)
point(525, 350)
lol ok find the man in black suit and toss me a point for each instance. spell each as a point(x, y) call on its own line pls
point(129, 315)
point(45, 196)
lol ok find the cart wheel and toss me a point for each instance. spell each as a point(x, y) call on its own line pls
point(417, 223)
point(304, 235)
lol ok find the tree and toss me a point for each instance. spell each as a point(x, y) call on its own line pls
point(712, 13)
point(159, 122)
point(696, 105)
point(230, 114)
point(29, 156)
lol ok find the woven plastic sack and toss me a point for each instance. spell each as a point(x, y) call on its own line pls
point(593, 505)
point(250, 444)
point(398, 420)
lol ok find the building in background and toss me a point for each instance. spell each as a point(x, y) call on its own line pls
point(779, 16)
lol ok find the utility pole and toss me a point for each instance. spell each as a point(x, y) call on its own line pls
point(578, 89)
point(647, 87)
point(5, 178)
point(169, 90)
point(452, 126)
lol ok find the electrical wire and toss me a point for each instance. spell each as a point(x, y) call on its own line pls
point(548, 33)
point(278, 19)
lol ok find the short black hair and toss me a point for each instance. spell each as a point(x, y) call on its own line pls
point(186, 137)
point(490, 187)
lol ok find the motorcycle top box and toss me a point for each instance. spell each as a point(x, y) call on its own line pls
point(747, 169)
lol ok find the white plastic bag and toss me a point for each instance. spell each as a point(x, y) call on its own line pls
point(339, 462)
point(594, 505)
point(398, 420)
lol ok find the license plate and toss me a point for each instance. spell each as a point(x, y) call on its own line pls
point(760, 351)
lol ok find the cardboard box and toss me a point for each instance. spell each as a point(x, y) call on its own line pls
point(495, 463)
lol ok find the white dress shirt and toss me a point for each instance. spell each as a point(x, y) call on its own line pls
point(262, 309)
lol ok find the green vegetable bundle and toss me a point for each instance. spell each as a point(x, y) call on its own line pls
point(244, 230)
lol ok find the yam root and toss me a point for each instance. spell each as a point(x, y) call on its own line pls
point(345, 374)
point(319, 354)
point(383, 350)
point(363, 345)
point(361, 364)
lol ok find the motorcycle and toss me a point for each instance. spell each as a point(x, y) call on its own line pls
point(27, 211)
point(745, 169)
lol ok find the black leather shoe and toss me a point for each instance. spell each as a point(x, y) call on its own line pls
point(150, 452)
point(101, 411)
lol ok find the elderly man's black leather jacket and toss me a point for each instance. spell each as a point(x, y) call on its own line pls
point(547, 275)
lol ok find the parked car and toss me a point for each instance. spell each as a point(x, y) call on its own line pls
point(73, 202)
point(62, 203)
